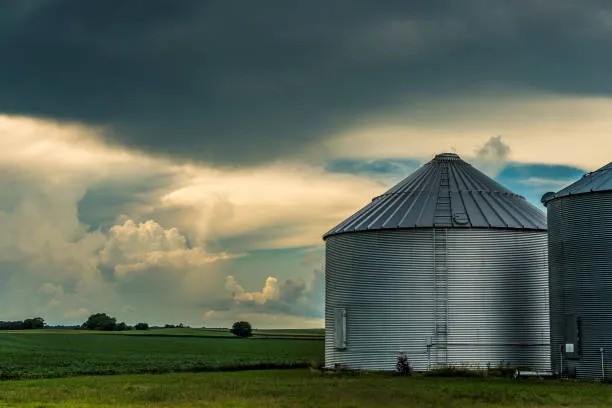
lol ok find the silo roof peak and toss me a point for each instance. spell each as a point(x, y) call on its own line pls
point(446, 192)
point(447, 156)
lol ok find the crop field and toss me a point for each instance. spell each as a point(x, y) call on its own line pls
point(58, 353)
point(298, 388)
point(212, 368)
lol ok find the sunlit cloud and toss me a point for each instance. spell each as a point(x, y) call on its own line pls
point(284, 205)
point(153, 255)
point(539, 128)
point(132, 249)
point(90, 226)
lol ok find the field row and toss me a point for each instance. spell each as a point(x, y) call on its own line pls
point(57, 354)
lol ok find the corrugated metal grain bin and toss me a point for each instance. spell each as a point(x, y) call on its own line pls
point(580, 254)
point(448, 267)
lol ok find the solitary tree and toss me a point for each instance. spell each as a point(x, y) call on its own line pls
point(100, 321)
point(242, 329)
point(34, 323)
point(141, 326)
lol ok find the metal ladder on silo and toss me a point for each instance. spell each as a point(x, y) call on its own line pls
point(442, 220)
point(440, 296)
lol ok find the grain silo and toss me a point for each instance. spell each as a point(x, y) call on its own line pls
point(448, 267)
point(580, 254)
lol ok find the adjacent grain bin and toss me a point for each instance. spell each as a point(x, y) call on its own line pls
point(448, 267)
point(580, 259)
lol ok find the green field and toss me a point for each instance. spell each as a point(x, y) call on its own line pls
point(58, 353)
point(196, 367)
point(298, 388)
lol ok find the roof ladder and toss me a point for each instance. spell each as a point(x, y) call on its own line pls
point(440, 340)
point(443, 213)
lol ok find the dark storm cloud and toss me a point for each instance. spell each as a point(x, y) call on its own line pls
point(246, 81)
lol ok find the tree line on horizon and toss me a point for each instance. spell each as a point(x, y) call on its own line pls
point(104, 322)
point(27, 324)
point(97, 321)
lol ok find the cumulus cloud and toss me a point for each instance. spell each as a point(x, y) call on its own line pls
point(171, 234)
point(269, 293)
point(93, 212)
point(53, 264)
point(492, 156)
point(133, 248)
point(87, 226)
point(295, 296)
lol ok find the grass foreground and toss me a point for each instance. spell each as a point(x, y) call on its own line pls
point(298, 388)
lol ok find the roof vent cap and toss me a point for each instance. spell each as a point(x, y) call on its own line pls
point(447, 156)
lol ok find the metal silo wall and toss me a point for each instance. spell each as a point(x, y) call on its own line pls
point(497, 298)
point(580, 253)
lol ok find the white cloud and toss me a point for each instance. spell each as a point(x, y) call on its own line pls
point(278, 206)
point(270, 291)
point(154, 257)
point(492, 156)
point(134, 248)
point(167, 253)
point(295, 296)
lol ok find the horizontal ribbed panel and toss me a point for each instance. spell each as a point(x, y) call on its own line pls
point(580, 252)
point(497, 298)
point(446, 192)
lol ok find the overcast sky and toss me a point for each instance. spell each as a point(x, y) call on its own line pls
point(179, 161)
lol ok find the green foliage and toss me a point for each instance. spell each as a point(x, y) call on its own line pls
point(403, 365)
point(104, 322)
point(34, 323)
point(100, 321)
point(67, 353)
point(242, 329)
point(122, 327)
point(501, 369)
point(141, 326)
point(452, 371)
point(27, 324)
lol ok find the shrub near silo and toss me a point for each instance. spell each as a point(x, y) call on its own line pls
point(242, 329)
point(403, 365)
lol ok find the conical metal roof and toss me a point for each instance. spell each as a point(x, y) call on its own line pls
point(447, 192)
point(598, 180)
